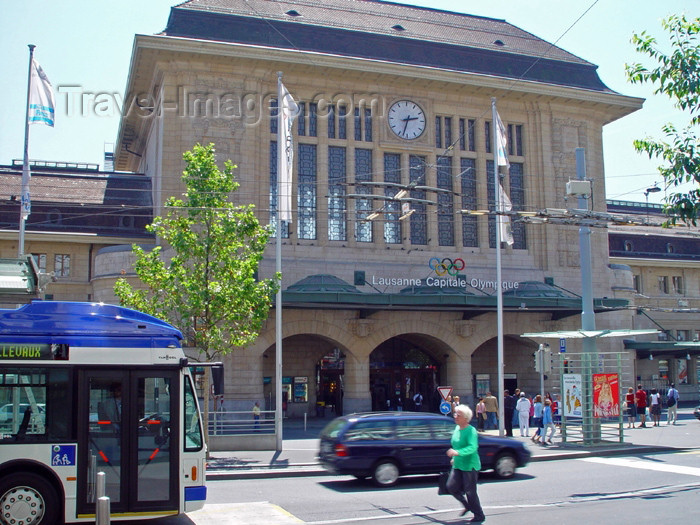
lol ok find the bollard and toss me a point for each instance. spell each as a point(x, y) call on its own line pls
point(304, 421)
point(102, 509)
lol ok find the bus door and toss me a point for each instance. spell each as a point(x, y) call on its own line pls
point(124, 430)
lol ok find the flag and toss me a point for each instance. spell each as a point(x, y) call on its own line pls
point(41, 99)
point(501, 142)
point(504, 205)
point(288, 110)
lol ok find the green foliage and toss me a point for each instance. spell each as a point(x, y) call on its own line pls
point(205, 283)
point(676, 75)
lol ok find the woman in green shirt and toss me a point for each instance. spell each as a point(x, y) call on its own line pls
point(465, 464)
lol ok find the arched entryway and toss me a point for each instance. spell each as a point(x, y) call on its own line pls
point(401, 367)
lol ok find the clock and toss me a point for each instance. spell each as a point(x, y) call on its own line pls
point(406, 119)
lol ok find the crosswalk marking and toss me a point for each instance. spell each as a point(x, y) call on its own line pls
point(645, 465)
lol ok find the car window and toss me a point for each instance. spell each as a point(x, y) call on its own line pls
point(443, 429)
point(370, 430)
point(413, 429)
point(332, 429)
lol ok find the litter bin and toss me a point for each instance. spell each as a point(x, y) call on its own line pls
point(320, 409)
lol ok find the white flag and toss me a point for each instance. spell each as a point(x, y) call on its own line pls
point(504, 205)
point(41, 99)
point(288, 110)
point(501, 142)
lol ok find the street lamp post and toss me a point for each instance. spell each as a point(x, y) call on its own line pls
point(652, 189)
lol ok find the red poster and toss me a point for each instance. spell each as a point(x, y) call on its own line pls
point(606, 395)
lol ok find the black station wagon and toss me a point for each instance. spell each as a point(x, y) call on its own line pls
point(386, 445)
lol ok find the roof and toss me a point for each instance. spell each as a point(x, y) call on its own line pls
point(385, 31)
point(78, 201)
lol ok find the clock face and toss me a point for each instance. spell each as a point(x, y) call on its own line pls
point(406, 119)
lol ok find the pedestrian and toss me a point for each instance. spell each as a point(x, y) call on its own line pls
point(516, 419)
point(631, 408)
point(455, 403)
point(640, 398)
point(537, 418)
point(508, 409)
point(672, 403)
point(655, 406)
point(466, 464)
point(491, 410)
point(522, 407)
point(480, 414)
point(256, 415)
point(418, 402)
point(547, 422)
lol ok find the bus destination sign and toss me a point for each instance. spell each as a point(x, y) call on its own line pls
point(26, 351)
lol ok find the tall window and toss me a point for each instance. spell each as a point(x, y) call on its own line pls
point(337, 230)
point(419, 219)
point(487, 136)
point(331, 122)
point(438, 132)
point(313, 119)
point(392, 174)
point(446, 225)
point(273, 116)
point(663, 284)
point(40, 261)
point(273, 192)
point(301, 119)
point(470, 229)
point(306, 198)
point(637, 282)
point(61, 265)
point(363, 124)
point(678, 284)
point(363, 207)
point(517, 198)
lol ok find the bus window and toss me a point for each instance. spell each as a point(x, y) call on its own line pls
point(154, 450)
point(192, 428)
point(22, 404)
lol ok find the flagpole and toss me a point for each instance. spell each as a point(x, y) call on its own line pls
point(499, 282)
point(24, 201)
point(278, 268)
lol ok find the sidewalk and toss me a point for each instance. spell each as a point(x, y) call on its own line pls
point(300, 448)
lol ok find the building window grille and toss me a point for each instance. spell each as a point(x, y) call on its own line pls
point(487, 136)
point(363, 207)
point(448, 132)
point(471, 134)
point(337, 227)
point(313, 119)
point(419, 220)
point(392, 174)
point(358, 125)
point(470, 225)
point(306, 198)
point(445, 201)
point(462, 135)
point(368, 125)
point(438, 132)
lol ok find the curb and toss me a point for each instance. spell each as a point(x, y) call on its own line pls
point(314, 469)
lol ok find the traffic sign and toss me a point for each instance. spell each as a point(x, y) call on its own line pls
point(562, 345)
point(445, 391)
point(445, 407)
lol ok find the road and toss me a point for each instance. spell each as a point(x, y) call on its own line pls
point(619, 490)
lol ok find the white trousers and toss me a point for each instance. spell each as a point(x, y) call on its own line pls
point(524, 421)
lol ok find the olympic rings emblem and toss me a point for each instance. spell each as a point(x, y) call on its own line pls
point(446, 266)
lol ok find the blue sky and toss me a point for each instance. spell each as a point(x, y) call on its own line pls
point(88, 44)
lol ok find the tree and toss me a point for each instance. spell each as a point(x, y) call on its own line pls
point(676, 75)
point(205, 283)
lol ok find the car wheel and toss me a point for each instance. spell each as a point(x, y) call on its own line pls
point(385, 474)
point(28, 499)
point(505, 466)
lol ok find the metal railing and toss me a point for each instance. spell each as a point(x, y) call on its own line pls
point(230, 423)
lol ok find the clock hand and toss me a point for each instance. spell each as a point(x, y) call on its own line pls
point(406, 120)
